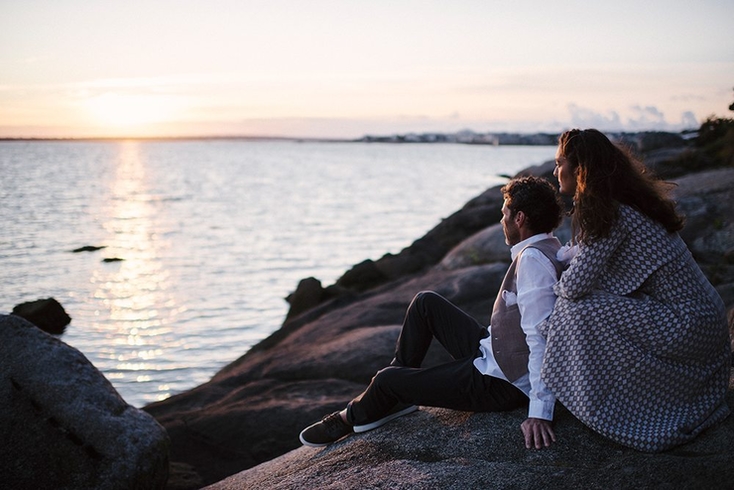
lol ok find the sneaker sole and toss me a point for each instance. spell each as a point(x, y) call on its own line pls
point(384, 420)
point(315, 444)
point(311, 444)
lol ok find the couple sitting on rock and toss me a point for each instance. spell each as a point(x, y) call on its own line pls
point(631, 337)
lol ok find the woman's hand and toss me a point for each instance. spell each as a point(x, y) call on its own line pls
point(538, 433)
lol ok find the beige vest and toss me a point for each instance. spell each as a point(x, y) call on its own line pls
point(509, 346)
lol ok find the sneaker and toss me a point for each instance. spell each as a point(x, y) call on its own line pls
point(398, 411)
point(330, 429)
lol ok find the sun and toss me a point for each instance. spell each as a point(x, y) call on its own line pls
point(130, 111)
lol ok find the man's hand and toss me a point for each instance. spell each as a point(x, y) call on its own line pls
point(538, 433)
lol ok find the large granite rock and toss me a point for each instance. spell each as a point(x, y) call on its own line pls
point(64, 426)
point(253, 409)
point(707, 200)
point(449, 450)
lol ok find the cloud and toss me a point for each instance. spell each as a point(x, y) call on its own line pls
point(689, 121)
point(639, 118)
point(648, 117)
point(583, 117)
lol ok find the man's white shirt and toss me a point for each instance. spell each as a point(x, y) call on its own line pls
point(536, 276)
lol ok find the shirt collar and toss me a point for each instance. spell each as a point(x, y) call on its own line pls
point(517, 248)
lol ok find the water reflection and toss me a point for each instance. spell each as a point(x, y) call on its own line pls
point(137, 310)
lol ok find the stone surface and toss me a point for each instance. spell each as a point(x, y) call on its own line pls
point(64, 426)
point(444, 449)
point(254, 408)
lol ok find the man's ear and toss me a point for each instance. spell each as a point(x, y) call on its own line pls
point(520, 218)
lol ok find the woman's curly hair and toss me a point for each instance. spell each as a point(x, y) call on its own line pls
point(607, 175)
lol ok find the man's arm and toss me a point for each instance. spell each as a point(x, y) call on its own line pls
point(536, 276)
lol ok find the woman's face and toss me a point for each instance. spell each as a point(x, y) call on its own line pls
point(565, 174)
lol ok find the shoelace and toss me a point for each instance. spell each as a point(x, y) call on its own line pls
point(333, 423)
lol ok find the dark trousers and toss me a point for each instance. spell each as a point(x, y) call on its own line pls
point(456, 384)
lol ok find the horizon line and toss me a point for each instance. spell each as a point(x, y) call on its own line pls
point(308, 138)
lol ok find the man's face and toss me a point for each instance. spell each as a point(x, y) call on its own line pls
point(509, 227)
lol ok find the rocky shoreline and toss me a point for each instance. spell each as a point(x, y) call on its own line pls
point(227, 432)
point(64, 425)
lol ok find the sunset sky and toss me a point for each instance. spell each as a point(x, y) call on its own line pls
point(343, 69)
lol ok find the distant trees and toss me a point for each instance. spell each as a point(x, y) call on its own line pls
point(716, 140)
point(713, 148)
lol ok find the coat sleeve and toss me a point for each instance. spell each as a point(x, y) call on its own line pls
point(582, 275)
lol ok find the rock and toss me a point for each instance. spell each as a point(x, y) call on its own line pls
point(112, 259)
point(183, 477)
point(307, 295)
point(443, 449)
point(483, 247)
point(47, 314)
point(64, 426)
point(661, 161)
point(707, 200)
point(88, 248)
point(649, 141)
point(488, 246)
point(362, 276)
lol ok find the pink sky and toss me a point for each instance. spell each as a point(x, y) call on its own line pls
point(347, 68)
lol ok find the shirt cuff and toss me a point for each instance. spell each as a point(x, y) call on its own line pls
point(539, 409)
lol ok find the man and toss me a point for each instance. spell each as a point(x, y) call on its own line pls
point(495, 368)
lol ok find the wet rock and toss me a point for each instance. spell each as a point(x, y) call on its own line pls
point(88, 248)
point(47, 314)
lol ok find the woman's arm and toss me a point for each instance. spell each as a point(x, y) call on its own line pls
point(583, 272)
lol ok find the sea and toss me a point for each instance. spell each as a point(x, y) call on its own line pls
point(202, 240)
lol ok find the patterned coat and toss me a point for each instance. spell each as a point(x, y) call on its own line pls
point(638, 344)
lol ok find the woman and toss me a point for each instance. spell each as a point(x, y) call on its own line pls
point(638, 345)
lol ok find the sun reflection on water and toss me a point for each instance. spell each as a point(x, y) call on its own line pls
point(138, 311)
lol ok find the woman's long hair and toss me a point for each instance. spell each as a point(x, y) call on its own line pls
point(607, 175)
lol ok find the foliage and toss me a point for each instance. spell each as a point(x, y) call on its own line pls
point(716, 140)
point(713, 148)
point(712, 130)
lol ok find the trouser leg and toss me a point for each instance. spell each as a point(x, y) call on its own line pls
point(457, 385)
point(429, 316)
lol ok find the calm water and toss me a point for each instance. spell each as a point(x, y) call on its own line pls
point(214, 235)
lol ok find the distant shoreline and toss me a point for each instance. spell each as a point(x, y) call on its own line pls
point(466, 137)
point(176, 138)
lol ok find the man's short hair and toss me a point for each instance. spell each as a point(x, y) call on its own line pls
point(538, 199)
